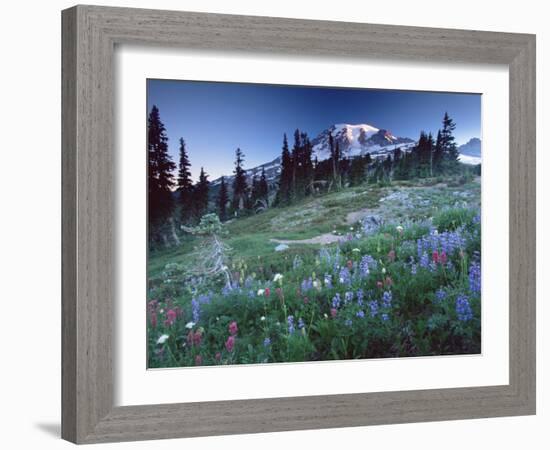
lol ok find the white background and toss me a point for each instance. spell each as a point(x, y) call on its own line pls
point(30, 225)
point(135, 386)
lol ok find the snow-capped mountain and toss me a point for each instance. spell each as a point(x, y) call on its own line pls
point(353, 140)
point(356, 140)
point(470, 152)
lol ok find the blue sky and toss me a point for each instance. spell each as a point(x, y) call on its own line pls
point(216, 118)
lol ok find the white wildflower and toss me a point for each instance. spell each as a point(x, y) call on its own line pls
point(277, 277)
point(261, 292)
point(189, 325)
point(399, 229)
point(383, 270)
point(356, 250)
point(162, 339)
point(262, 318)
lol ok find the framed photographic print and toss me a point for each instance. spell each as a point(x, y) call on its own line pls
point(285, 217)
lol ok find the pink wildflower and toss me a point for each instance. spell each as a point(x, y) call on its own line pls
point(198, 360)
point(391, 256)
point(379, 284)
point(333, 312)
point(435, 256)
point(267, 292)
point(153, 304)
point(233, 328)
point(230, 343)
point(153, 319)
point(443, 258)
point(171, 316)
point(194, 338)
point(197, 338)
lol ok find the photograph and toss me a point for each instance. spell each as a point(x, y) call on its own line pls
point(300, 224)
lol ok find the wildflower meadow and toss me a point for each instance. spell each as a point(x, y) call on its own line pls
point(404, 290)
point(269, 243)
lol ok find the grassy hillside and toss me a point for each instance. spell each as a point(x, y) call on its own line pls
point(396, 276)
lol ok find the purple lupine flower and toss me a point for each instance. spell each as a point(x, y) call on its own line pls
point(424, 260)
point(463, 308)
point(290, 321)
point(348, 323)
point(367, 263)
point(386, 299)
point(373, 306)
point(328, 281)
point(385, 317)
point(419, 248)
point(360, 314)
point(474, 278)
point(344, 276)
point(196, 310)
point(204, 298)
point(359, 294)
point(267, 342)
point(301, 324)
point(440, 295)
point(348, 297)
point(336, 301)
point(306, 285)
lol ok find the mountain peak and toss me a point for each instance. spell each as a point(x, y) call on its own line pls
point(356, 140)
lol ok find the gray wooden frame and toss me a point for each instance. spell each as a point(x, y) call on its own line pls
point(89, 37)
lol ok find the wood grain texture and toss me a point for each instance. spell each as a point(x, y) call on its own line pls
point(89, 36)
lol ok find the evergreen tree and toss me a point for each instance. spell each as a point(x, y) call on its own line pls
point(335, 160)
point(255, 191)
point(401, 164)
point(222, 200)
point(358, 169)
point(283, 196)
point(422, 155)
point(160, 168)
point(307, 164)
point(200, 195)
point(448, 143)
point(296, 160)
point(438, 153)
point(240, 186)
point(263, 188)
point(387, 164)
point(431, 150)
point(184, 182)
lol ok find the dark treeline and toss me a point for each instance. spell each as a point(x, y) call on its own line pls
point(176, 200)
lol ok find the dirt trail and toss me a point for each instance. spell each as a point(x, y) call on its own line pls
point(323, 239)
point(328, 238)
